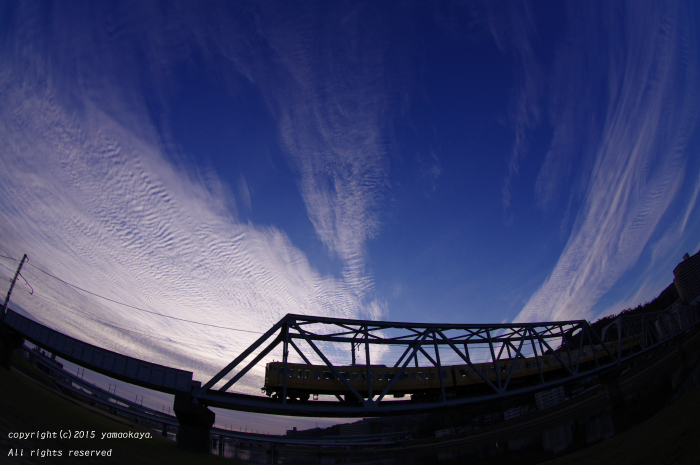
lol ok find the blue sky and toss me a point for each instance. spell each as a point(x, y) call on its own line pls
point(231, 162)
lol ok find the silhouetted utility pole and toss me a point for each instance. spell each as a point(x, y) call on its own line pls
point(12, 284)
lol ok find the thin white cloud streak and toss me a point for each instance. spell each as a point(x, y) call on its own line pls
point(330, 118)
point(576, 90)
point(691, 204)
point(513, 28)
point(667, 251)
point(646, 291)
point(638, 164)
point(323, 74)
point(111, 215)
point(89, 195)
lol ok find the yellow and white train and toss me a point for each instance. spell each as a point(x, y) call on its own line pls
point(423, 383)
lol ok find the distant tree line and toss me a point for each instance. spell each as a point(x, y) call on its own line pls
point(664, 300)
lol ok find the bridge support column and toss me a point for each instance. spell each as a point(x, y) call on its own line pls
point(195, 424)
point(616, 399)
point(9, 342)
point(272, 454)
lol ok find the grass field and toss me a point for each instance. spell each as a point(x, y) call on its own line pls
point(26, 407)
point(670, 437)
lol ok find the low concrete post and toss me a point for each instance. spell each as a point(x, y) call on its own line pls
point(616, 399)
point(9, 342)
point(272, 453)
point(195, 424)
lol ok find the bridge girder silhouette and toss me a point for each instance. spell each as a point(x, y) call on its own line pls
point(487, 349)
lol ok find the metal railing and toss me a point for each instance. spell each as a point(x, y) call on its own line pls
point(556, 352)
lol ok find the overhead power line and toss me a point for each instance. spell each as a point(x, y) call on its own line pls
point(132, 306)
point(102, 322)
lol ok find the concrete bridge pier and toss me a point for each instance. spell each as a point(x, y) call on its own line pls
point(220, 445)
point(272, 454)
point(616, 399)
point(195, 424)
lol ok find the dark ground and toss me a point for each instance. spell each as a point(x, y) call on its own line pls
point(672, 436)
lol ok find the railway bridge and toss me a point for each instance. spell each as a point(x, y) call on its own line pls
point(359, 368)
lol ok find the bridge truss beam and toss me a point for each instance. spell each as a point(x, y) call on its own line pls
point(489, 350)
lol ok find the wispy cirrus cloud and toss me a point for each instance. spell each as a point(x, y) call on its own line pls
point(331, 110)
point(324, 74)
point(637, 165)
point(99, 208)
point(92, 197)
point(514, 30)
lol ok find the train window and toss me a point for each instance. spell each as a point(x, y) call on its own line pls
point(444, 373)
point(299, 374)
point(328, 375)
point(317, 374)
point(420, 375)
point(354, 377)
point(307, 374)
point(380, 376)
point(291, 373)
point(404, 376)
point(364, 376)
point(464, 372)
point(274, 367)
point(413, 375)
point(345, 374)
point(503, 368)
point(389, 376)
point(281, 371)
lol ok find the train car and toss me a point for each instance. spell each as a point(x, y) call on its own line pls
point(304, 381)
point(423, 383)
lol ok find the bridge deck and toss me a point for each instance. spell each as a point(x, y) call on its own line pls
point(172, 380)
point(129, 369)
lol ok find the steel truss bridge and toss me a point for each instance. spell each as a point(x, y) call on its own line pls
point(336, 344)
point(488, 350)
